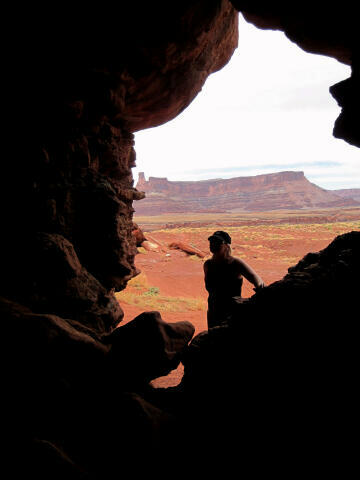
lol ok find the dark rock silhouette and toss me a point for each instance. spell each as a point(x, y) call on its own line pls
point(72, 293)
point(78, 398)
point(149, 347)
point(81, 79)
point(280, 375)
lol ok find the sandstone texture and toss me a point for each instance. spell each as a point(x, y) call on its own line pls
point(91, 88)
point(283, 190)
point(80, 80)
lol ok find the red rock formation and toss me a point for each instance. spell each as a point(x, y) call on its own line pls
point(150, 246)
point(90, 91)
point(185, 247)
point(82, 78)
point(138, 234)
point(353, 193)
point(284, 190)
point(80, 85)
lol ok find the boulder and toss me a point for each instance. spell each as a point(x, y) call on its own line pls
point(186, 247)
point(149, 346)
point(138, 234)
point(71, 398)
point(72, 293)
point(151, 246)
point(98, 74)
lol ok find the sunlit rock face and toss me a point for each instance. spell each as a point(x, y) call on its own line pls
point(283, 190)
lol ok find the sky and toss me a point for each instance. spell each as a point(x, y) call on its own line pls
point(268, 110)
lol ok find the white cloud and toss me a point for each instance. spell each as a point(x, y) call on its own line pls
point(269, 106)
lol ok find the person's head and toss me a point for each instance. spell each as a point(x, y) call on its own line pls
point(220, 242)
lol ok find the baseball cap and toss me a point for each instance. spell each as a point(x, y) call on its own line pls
point(220, 235)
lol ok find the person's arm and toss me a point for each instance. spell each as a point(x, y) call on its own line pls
point(250, 274)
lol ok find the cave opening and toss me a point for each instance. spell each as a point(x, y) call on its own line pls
point(77, 382)
point(267, 111)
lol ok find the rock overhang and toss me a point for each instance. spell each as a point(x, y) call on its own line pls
point(98, 74)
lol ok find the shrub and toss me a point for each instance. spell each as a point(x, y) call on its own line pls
point(152, 291)
point(152, 300)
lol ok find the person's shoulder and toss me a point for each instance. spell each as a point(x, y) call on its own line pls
point(237, 263)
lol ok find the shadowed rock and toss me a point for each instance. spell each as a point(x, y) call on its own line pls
point(78, 89)
point(149, 346)
point(54, 281)
point(281, 372)
point(73, 399)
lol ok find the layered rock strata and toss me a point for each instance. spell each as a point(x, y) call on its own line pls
point(283, 190)
point(349, 193)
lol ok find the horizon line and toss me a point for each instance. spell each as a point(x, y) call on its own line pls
point(251, 176)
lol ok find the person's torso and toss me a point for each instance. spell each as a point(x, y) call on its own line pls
point(224, 280)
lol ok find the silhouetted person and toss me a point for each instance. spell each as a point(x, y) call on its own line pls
point(224, 277)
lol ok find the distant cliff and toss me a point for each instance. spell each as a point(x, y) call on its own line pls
point(283, 190)
point(353, 193)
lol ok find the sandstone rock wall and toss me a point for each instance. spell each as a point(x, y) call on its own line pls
point(82, 78)
point(283, 190)
point(97, 75)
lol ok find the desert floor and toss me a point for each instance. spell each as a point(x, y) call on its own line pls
point(171, 281)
